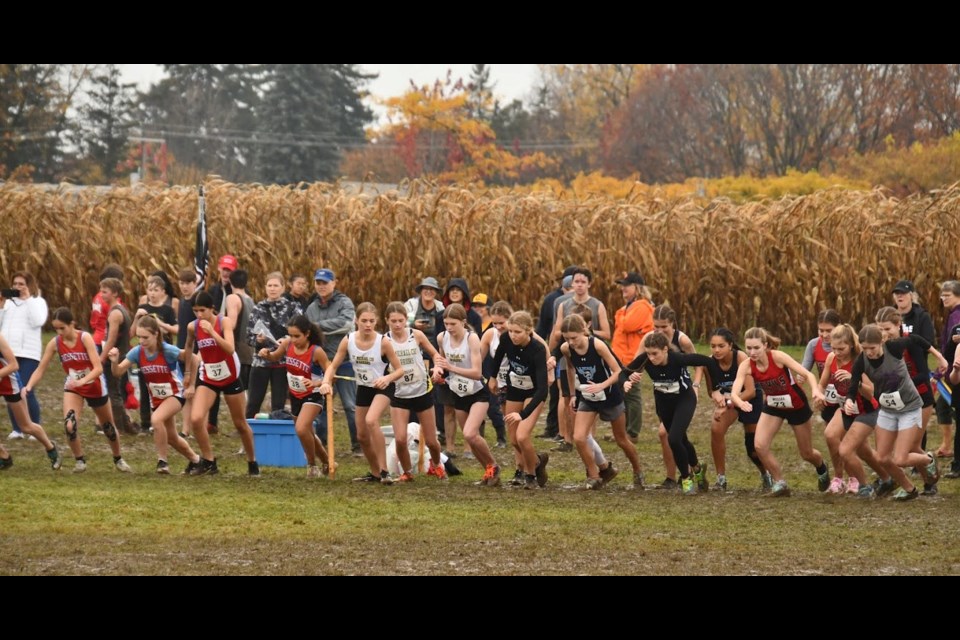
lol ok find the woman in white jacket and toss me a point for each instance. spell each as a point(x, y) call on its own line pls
point(21, 323)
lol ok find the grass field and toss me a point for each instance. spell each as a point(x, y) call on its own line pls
point(104, 522)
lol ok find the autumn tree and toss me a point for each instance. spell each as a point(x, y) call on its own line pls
point(581, 98)
point(937, 91)
point(434, 134)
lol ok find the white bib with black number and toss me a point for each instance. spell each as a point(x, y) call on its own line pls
point(599, 396)
point(830, 395)
point(160, 390)
point(462, 386)
point(892, 401)
point(297, 384)
point(523, 383)
point(502, 375)
point(780, 402)
point(410, 377)
point(77, 374)
point(216, 371)
point(667, 387)
point(365, 376)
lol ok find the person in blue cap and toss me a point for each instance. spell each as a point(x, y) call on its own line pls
point(334, 313)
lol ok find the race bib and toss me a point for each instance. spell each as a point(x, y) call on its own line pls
point(160, 390)
point(78, 375)
point(461, 386)
point(502, 378)
point(297, 384)
point(830, 395)
point(780, 402)
point(892, 401)
point(365, 377)
point(524, 383)
point(600, 396)
point(216, 371)
point(666, 387)
point(413, 375)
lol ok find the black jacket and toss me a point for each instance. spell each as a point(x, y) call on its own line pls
point(473, 318)
point(918, 322)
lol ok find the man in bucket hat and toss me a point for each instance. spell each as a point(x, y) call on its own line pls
point(425, 312)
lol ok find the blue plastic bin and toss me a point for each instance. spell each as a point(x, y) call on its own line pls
point(277, 443)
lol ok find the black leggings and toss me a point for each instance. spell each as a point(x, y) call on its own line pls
point(676, 414)
point(260, 377)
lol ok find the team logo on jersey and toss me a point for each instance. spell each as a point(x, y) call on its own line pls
point(889, 382)
point(777, 384)
point(587, 372)
point(519, 368)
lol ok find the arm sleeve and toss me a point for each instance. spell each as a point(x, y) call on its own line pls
point(897, 347)
point(171, 354)
point(540, 382)
point(697, 360)
point(855, 375)
point(133, 356)
point(636, 365)
point(808, 355)
point(920, 342)
point(545, 308)
point(925, 329)
point(38, 312)
point(255, 315)
point(342, 323)
point(637, 318)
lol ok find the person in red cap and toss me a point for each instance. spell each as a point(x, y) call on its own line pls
point(219, 292)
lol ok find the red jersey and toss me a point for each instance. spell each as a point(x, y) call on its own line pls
point(300, 370)
point(9, 386)
point(780, 391)
point(922, 387)
point(836, 392)
point(77, 365)
point(217, 367)
point(820, 356)
point(163, 380)
point(98, 319)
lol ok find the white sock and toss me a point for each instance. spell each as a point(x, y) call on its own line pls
point(597, 451)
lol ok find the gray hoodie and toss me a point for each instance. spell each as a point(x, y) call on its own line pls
point(336, 318)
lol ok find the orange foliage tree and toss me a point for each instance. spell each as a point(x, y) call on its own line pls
point(431, 131)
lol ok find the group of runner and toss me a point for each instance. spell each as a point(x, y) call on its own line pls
point(871, 382)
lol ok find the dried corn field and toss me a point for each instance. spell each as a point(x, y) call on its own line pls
point(775, 263)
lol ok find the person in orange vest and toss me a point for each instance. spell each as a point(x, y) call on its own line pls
point(631, 322)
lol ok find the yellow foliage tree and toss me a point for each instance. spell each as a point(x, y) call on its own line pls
point(435, 136)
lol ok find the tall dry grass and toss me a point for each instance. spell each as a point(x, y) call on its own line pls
point(774, 263)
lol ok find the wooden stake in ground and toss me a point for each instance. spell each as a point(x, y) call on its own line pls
point(331, 450)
